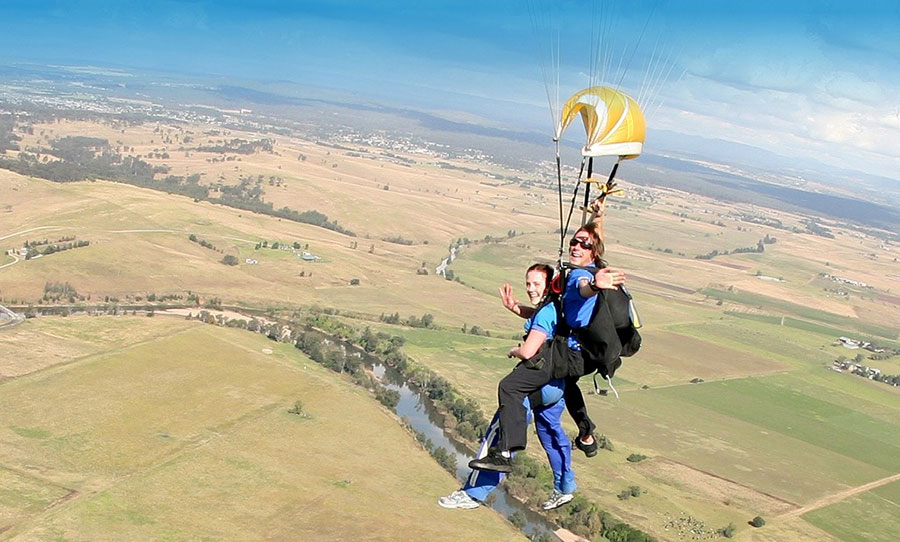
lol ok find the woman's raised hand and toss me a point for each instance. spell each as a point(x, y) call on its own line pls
point(509, 300)
point(598, 206)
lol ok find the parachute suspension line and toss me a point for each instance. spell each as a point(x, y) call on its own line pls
point(657, 102)
point(556, 69)
point(595, 74)
point(562, 229)
point(636, 45)
point(655, 79)
point(541, 26)
point(607, 23)
point(650, 74)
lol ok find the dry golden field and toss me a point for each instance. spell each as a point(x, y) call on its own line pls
point(187, 436)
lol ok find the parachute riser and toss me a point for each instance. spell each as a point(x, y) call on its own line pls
point(587, 190)
point(562, 228)
point(565, 228)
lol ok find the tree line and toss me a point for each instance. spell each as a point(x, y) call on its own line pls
point(759, 249)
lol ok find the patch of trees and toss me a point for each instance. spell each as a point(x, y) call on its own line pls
point(398, 240)
point(727, 531)
point(202, 242)
point(32, 249)
point(426, 321)
point(759, 248)
point(341, 360)
point(758, 522)
point(229, 259)
point(8, 140)
point(815, 228)
point(441, 455)
point(475, 330)
point(50, 249)
point(390, 318)
point(387, 397)
point(86, 158)
point(636, 458)
point(402, 160)
point(57, 291)
point(247, 189)
point(464, 169)
point(297, 409)
point(65, 239)
point(629, 492)
point(312, 217)
point(162, 298)
point(83, 165)
point(239, 146)
point(604, 443)
point(463, 417)
point(765, 221)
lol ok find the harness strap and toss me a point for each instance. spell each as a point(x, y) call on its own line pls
point(597, 389)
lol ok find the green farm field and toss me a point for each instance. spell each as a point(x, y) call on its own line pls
point(768, 432)
point(126, 441)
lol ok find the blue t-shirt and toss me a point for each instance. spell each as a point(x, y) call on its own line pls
point(544, 320)
point(578, 310)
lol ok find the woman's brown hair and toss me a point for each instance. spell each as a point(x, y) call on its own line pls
point(593, 231)
point(548, 277)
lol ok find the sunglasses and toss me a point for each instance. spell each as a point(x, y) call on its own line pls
point(585, 243)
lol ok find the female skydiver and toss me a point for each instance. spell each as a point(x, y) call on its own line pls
point(580, 297)
point(547, 404)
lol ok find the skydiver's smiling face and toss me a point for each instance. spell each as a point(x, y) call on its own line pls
point(535, 286)
point(580, 248)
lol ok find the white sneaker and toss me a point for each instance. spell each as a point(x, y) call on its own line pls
point(458, 499)
point(556, 500)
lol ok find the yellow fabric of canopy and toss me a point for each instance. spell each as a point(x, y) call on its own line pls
point(613, 122)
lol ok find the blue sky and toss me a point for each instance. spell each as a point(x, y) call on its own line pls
point(819, 80)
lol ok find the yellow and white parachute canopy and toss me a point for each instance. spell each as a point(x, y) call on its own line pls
point(613, 122)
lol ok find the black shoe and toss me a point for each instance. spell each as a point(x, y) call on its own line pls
point(494, 461)
point(589, 450)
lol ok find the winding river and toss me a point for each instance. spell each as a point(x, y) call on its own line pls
point(421, 416)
